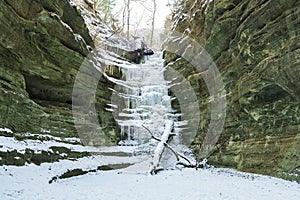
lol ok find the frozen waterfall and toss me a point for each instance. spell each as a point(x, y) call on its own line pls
point(142, 100)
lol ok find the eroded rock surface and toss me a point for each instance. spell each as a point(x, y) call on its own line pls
point(42, 46)
point(256, 46)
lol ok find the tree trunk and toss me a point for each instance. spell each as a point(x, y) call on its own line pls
point(128, 18)
point(153, 22)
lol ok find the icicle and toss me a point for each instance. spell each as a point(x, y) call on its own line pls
point(122, 132)
point(128, 133)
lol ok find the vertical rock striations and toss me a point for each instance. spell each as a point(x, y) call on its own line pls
point(256, 46)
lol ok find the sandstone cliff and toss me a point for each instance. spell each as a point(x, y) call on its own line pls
point(256, 46)
point(42, 46)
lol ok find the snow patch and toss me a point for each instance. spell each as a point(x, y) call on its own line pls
point(45, 130)
point(10, 144)
point(7, 130)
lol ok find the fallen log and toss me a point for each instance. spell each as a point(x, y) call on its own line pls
point(177, 155)
point(161, 146)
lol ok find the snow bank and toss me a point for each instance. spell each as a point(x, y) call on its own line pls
point(7, 130)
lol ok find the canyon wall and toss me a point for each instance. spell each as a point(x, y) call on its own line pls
point(256, 47)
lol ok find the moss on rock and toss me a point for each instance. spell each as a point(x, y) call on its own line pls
point(255, 45)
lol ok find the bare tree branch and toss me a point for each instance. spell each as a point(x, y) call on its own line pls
point(164, 142)
point(209, 154)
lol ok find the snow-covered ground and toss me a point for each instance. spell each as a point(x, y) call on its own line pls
point(132, 183)
point(32, 182)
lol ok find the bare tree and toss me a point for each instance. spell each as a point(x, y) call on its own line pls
point(152, 15)
point(128, 17)
point(137, 24)
point(153, 22)
point(105, 7)
point(151, 9)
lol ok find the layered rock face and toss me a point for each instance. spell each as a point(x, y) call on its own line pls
point(256, 47)
point(42, 46)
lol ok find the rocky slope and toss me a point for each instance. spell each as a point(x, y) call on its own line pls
point(256, 46)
